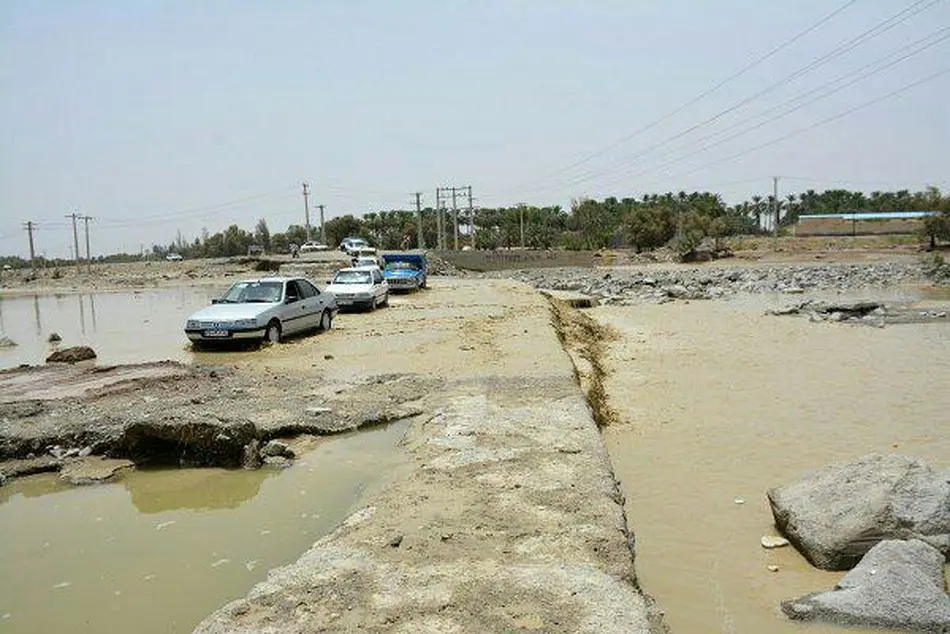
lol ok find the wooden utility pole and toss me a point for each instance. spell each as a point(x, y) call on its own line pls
point(30, 227)
point(86, 220)
point(455, 220)
point(775, 206)
point(420, 241)
point(439, 243)
point(471, 217)
point(75, 217)
point(306, 208)
point(521, 221)
point(323, 228)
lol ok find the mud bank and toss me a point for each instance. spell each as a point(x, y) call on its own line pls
point(167, 413)
point(508, 518)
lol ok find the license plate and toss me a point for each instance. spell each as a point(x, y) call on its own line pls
point(216, 333)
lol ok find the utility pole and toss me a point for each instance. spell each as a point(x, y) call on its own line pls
point(775, 205)
point(521, 221)
point(471, 217)
point(86, 220)
point(323, 228)
point(420, 241)
point(455, 219)
point(75, 217)
point(30, 227)
point(306, 207)
point(438, 218)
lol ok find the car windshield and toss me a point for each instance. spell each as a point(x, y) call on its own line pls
point(253, 293)
point(352, 277)
point(400, 265)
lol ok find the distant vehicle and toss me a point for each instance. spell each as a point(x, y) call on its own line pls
point(268, 309)
point(405, 271)
point(352, 246)
point(359, 288)
point(364, 261)
point(310, 247)
point(174, 257)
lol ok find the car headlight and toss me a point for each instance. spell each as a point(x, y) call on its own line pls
point(192, 324)
point(245, 323)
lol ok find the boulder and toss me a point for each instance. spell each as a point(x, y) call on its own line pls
point(837, 514)
point(74, 354)
point(92, 470)
point(187, 441)
point(277, 448)
point(898, 584)
point(251, 458)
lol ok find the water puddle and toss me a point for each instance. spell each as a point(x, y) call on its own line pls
point(122, 327)
point(159, 550)
point(718, 403)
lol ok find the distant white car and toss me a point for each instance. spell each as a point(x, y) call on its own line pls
point(310, 247)
point(174, 257)
point(353, 246)
point(359, 288)
point(268, 308)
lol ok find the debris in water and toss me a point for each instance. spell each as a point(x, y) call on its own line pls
point(164, 525)
point(4, 616)
point(739, 500)
point(64, 584)
point(220, 562)
point(265, 532)
point(773, 541)
point(148, 577)
point(773, 568)
point(251, 565)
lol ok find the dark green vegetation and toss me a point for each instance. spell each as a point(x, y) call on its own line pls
point(681, 220)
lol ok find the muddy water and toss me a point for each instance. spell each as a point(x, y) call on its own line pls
point(160, 550)
point(719, 402)
point(122, 327)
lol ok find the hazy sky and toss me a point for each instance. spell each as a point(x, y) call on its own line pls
point(157, 116)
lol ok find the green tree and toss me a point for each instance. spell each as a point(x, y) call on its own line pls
point(649, 227)
point(262, 234)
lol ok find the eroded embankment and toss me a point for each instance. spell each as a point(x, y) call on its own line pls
point(585, 341)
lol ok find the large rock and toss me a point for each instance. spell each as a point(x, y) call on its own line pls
point(74, 354)
point(837, 514)
point(898, 584)
point(187, 441)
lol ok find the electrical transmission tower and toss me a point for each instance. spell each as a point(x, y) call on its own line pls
point(453, 193)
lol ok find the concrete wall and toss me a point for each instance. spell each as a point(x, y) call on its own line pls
point(524, 259)
point(839, 227)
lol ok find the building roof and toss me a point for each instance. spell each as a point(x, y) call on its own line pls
point(886, 215)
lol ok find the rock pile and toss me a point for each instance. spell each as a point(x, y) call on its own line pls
point(697, 282)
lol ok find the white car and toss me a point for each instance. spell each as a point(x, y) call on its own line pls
point(268, 309)
point(353, 246)
point(174, 257)
point(310, 247)
point(359, 288)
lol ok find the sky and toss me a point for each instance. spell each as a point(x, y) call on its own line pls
point(162, 116)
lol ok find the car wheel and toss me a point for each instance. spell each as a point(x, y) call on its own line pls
point(326, 322)
point(272, 334)
point(386, 299)
point(372, 304)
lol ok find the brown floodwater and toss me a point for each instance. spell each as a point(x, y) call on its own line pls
point(719, 403)
point(122, 327)
point(158, 551)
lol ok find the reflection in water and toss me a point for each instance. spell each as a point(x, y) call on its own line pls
point(36, 315)
point(155, 491)
point(139, 326)
point(157, 551)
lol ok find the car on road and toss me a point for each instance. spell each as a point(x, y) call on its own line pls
point(174, 257)
point(364, 261)
point(267, 309)
point(405, 271)
point(312, 247)
point(352, 246)
point(359, 288)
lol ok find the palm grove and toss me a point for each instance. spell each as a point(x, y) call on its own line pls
point(681, 220)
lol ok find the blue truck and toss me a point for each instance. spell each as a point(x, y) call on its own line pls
point(405, 271)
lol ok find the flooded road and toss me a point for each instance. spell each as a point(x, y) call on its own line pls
point(159, 550)
point(718, 402)
point(122, 327)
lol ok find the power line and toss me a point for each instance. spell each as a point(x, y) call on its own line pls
point(782, 115)
point(875, 31)
point(698, 97)
point(817, 124)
